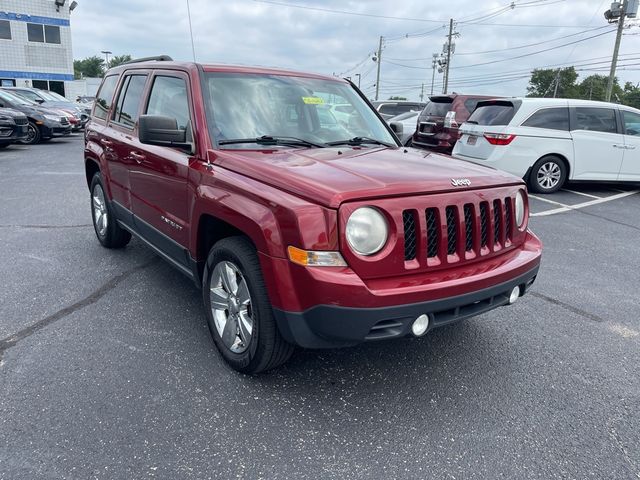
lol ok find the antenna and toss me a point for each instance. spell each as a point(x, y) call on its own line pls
point(193, 47)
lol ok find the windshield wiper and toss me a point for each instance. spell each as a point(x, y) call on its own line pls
point(359, 141)
point(273, 140)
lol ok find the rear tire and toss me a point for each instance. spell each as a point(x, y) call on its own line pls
point(109, 233)
point(548, 175)
point(238, 309)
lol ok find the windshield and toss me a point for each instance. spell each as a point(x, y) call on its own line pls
point(250, 106)
point(55, 96)
point(15, 99)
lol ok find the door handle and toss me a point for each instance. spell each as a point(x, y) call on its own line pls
point(618, 146)
point(630, 147)
point(138, 157)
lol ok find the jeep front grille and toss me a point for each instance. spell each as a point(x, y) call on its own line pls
point(487, 227)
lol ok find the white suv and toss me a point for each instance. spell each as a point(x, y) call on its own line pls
point(548, 141)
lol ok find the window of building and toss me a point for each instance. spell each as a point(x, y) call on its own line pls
point(5, 30)
point(551, 118)
point(43, 33)
point(105, 96)
point(596, 119)
point(7, 82)
point(126, 112)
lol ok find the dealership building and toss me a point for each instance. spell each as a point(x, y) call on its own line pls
point(35, 44)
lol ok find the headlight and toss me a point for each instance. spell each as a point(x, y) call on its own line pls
point(52, 117)
point(520, 209)
point(367, 231)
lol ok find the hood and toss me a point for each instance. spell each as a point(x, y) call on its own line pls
point(331, 176)
point(10, 112)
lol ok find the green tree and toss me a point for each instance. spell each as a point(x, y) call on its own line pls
point(397, 98)
point(543, 83)
point(89, 67)
point(119, 60)
point(594, 87)
point(631, 95)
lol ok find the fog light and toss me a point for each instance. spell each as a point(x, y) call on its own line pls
point(420, 325)
point(515, 294)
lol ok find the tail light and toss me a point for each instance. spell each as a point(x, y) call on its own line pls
point(450, 120)
point(499, 138)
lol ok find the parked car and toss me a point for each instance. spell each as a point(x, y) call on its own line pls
point(14, 126)
point(437, 127)
point(391, 108)
point(404, 126)
point(77, 115)
point(44, 123)
point(298, 234)
point(549, 141)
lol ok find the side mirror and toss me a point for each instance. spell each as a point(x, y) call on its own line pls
point(396, 127)
point(162, 131)
point(40, 101)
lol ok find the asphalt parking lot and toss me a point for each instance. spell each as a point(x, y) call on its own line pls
point(107, 369)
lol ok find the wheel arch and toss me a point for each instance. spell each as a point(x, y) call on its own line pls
point(91, 167)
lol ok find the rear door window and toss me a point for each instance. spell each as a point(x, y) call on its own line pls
point(126, 112)
point(105, 96)
point(493, 114)
point(631, 123)
point(437, 109)
point(596, 119)
point(551, 118)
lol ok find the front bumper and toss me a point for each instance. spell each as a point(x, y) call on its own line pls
point(327, 307)
point(10, 133)
point(328, 326)
point(54, 129)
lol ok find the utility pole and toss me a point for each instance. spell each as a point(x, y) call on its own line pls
point(557, 82)
point(422, 92)
point(359, 78)
point(378, 73)
point(616, 48)
point(434, 64)
point(446, 72)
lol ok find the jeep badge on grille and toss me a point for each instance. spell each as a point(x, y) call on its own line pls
point(460, 182)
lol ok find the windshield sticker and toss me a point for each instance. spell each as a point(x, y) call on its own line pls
point(313, 100)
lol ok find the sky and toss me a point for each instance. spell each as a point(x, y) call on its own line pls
point(495, 51)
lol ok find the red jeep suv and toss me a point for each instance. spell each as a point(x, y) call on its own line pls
point(299, 232)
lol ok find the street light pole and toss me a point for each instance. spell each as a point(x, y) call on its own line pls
point(106, 57)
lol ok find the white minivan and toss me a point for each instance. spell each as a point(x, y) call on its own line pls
point(548, 141)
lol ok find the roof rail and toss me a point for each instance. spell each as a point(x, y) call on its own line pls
point(159, 58)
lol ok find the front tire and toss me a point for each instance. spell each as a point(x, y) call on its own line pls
point(109, 233)
point(548, 175)
point(33, 134)
point(238, 309)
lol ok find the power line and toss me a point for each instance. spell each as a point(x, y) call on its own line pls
point(346, 12)
point(533, 53)
point(532, 44)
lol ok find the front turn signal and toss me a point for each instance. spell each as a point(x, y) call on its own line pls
point(308, 258)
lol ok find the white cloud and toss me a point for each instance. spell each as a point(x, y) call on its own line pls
point(252, 33)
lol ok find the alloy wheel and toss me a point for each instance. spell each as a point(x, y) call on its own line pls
point(231, 306)
point(100, 215)
point(549, 175)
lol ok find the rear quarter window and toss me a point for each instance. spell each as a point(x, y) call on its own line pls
point(494, 114)
point(105, 97)
point(596, 119)
point(551, 118)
